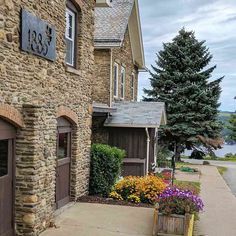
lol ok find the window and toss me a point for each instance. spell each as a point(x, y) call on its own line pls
point(63, 138)
point(70, 37)
point(63, 145)
point(122, 83)
point(3, 157)
point(132, 87)
point(115, 86)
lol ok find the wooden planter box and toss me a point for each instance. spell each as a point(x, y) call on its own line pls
point(172, 225)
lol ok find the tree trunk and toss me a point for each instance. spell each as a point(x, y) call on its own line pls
point(177, 153)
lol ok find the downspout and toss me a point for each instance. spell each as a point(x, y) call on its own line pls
point(148, 150)
point(111, 76)
point(155, 146)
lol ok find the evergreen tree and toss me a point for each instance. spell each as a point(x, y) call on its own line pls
point(181, 80)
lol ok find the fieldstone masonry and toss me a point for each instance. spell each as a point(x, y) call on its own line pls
point(38, 89)
point(102, 89)
point(123, 57)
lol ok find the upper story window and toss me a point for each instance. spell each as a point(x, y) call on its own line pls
point(132, 87)
point(70, 36)
point(122, 83)
point(115, 80)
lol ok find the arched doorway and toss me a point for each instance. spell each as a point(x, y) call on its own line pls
point(7, 141)
point(63, 162)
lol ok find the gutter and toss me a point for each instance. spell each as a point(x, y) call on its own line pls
point(144, 69)
point(148, 150)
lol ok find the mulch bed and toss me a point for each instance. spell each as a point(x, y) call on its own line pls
point(110, 201)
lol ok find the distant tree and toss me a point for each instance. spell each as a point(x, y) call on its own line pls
point(232, 126)
point(181, 80)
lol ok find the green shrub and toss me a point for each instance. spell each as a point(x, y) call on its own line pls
point(105, 168)
point(230, 155)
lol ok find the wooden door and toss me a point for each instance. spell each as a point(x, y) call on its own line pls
point(63, 163)
point(7, 135)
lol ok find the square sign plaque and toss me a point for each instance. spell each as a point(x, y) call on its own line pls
point(37, 36)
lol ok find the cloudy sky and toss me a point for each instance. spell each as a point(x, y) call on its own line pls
point(212, 20)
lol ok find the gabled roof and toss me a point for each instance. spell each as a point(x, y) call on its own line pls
point(137, 115)
point(111, 24)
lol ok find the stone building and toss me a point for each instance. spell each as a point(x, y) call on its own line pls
point(118, 119)
point(119, 54)
point(46, 72)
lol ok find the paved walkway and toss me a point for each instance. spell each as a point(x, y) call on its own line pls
point(229, 175)
point(87, 219)
point(219, 216)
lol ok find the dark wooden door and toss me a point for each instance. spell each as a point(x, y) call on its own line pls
point(7, 135)
point(63, 163)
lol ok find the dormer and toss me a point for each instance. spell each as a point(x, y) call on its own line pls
point(103, 3)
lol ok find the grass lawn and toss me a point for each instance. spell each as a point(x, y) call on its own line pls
point(192, 186)
point(222, 169)
point(183, 164)
point(232, 159)
point(221, 159)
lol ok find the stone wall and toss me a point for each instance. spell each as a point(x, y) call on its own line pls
point(37, 87)
point(101, 82)
point(99, 132)
point(123, 57)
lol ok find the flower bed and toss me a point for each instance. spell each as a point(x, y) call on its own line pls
point(138, 189)
point(166, 175)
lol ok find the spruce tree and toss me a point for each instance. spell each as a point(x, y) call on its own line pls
point(180, 78)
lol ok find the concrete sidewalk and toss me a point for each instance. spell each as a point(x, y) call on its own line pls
point(87, 219)
point(219, 216)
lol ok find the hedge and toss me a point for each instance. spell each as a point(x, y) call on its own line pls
point(105, 168)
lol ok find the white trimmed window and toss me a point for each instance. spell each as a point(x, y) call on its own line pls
point(132, 86)
point(70, 37)
point(115, 80)
point(122, 83)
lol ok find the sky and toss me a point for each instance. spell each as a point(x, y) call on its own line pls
point(211, 20)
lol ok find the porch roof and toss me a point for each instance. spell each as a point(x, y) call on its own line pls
point(137, 115)
point(102, 108)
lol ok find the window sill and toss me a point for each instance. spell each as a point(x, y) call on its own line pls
point(118, 99)
point(72, 70)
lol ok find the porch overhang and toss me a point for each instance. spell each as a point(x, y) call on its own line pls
point(102, 109)
point(137, 115)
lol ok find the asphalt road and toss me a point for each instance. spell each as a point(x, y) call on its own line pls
point(229, 175)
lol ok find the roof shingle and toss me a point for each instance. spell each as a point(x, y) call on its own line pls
point(111, 22)
point(137, 114)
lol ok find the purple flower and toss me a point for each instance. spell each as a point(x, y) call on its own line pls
point(178, 200)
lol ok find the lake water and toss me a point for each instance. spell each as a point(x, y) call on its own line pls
point(226, 149)
point(220, 152)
